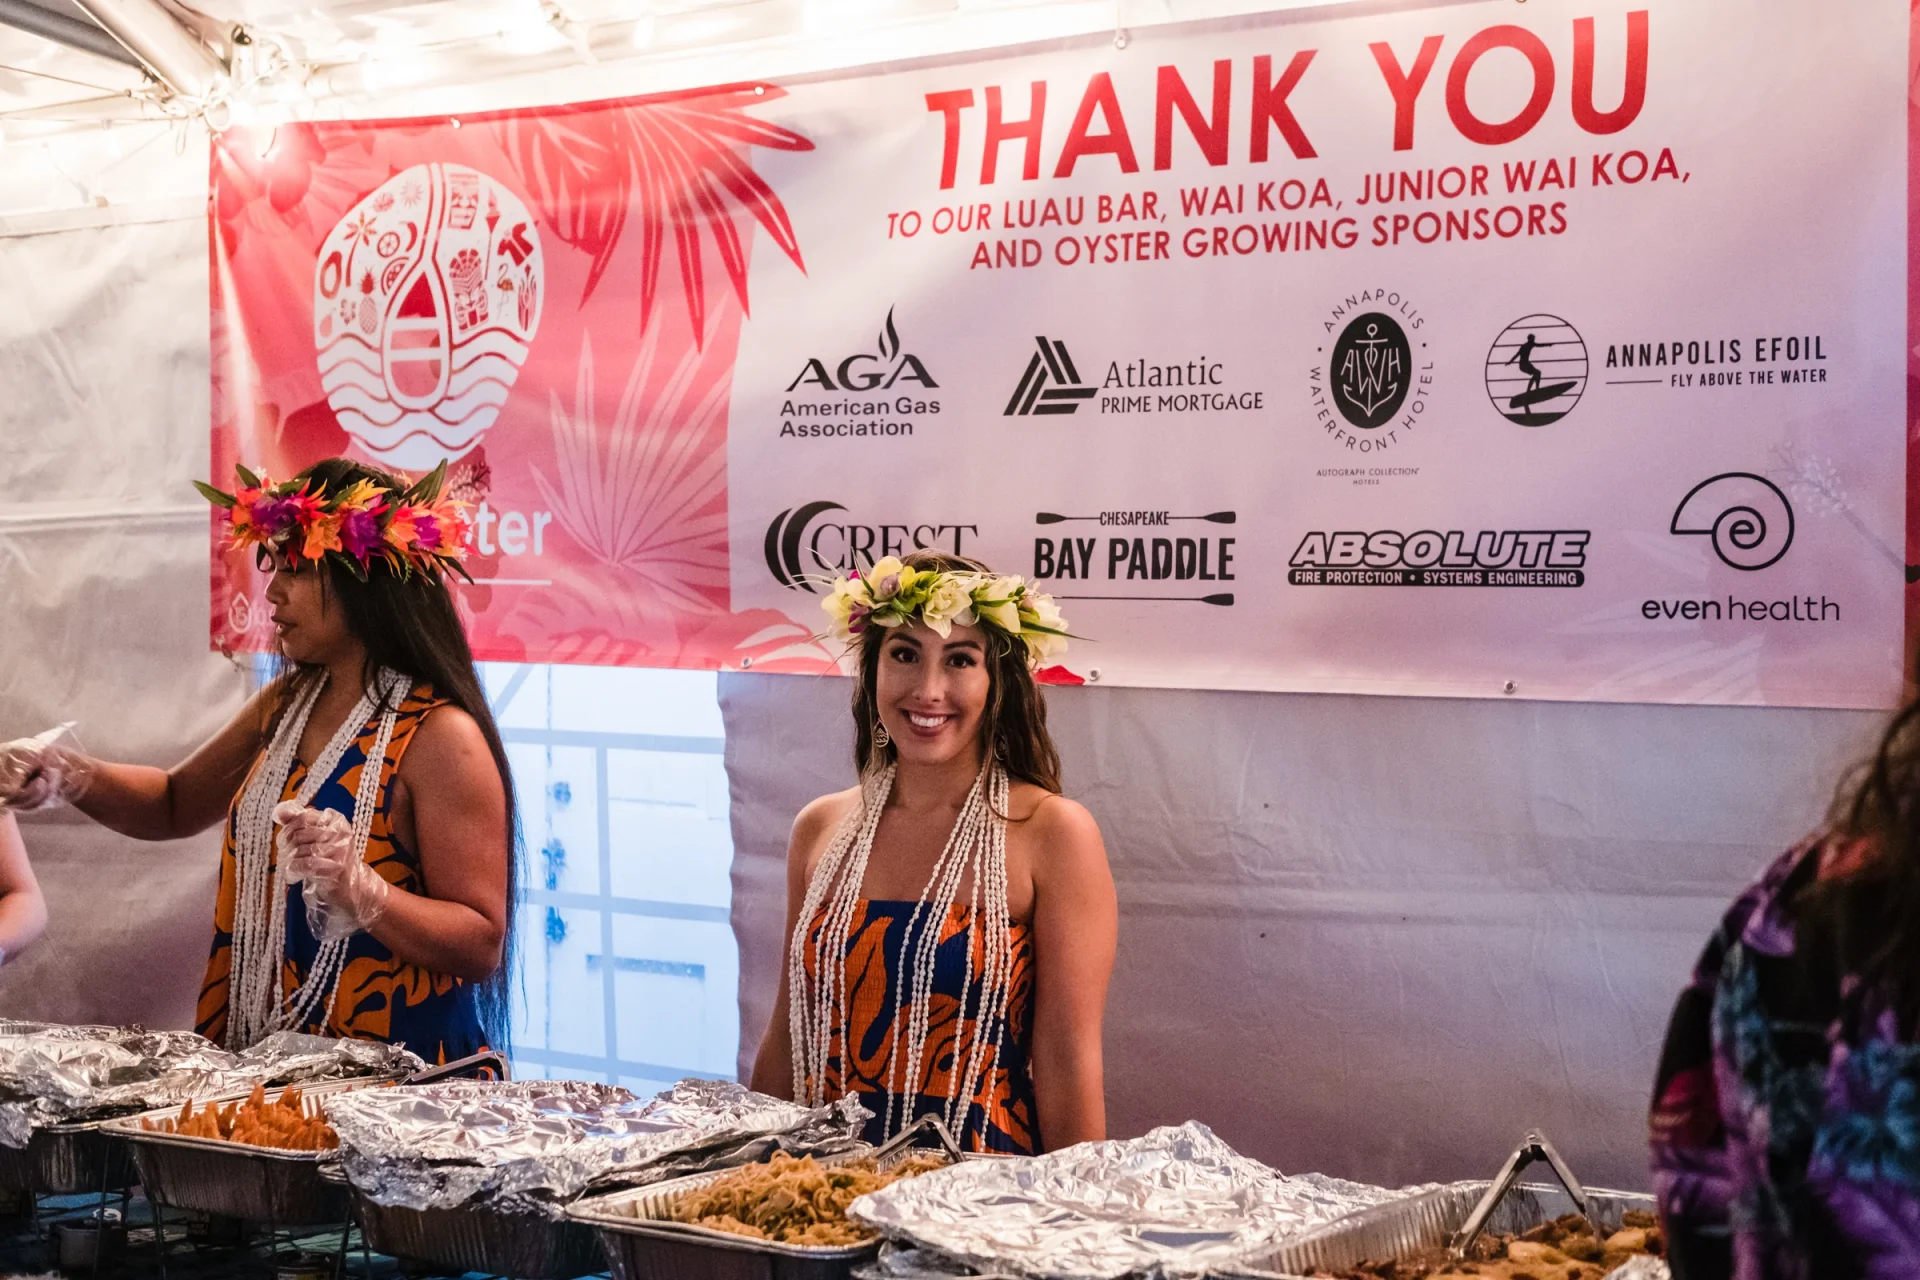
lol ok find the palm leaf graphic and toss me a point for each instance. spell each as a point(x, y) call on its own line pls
point(648, 493)
point(679, 161)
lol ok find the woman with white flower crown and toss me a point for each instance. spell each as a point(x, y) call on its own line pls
point(951, 920)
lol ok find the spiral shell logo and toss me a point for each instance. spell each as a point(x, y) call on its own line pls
point(425, 304)
point(1747, 516)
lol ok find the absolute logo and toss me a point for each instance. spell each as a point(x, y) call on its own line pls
point(810, 541)
point(867, 394)
point(1139, 555)
point(1537, 370)
point(1389, 558)
point(1372, 386)
point(1747, 517)
point(1051, 383)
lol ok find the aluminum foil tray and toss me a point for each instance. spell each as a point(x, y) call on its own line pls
point(477, 1238)
point(75, 1159)
point(16, 1170)
point(236, 1179)
point(644, 1243)
point(1425, 1221)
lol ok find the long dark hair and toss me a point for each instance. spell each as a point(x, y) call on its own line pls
point(1014, 726)
point(1868, 919)
point(410, 626)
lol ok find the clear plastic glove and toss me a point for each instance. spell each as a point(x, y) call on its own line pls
point(43, 771)
point(343, 894)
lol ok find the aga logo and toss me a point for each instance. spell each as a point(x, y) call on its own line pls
point(864, 371)
point(1049, 365)
point(1748, 518)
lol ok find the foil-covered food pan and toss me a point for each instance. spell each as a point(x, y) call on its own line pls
point(533, 1145)
point(1425, 1221)
point(237, 1179)
point(644, 1242)
point(52, 1076)
point(494, 1242)
point(75, 1159)
point(1177, 1201)
point(16, 1170)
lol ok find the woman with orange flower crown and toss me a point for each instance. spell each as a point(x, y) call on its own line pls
point(367, 868)
point(951, 920)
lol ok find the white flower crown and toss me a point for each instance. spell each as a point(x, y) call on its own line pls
point(890, 595)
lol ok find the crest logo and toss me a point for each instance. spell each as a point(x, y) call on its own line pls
point(425, 305)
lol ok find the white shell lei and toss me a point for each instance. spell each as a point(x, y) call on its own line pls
point(254, 1007)
point(818, 1018)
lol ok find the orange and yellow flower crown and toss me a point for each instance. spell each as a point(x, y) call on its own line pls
point(297, 522)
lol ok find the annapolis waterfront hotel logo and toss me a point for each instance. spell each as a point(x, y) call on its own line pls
point(1372, 379)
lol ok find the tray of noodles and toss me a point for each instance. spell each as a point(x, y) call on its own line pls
point(257, 1158)
point(782, 1220)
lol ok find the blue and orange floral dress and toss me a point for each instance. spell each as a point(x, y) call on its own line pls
point(380, 997)
point(1000, 1115)
point(1786, 1115)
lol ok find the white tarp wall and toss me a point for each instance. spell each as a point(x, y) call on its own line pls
point(103, 593)
point(1378, 937)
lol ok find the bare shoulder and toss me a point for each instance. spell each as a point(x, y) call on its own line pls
point(447, 741)
point(819, 818)
point(1061, 827)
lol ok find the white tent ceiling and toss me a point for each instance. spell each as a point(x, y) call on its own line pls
point(348, 56)
point(86, 130)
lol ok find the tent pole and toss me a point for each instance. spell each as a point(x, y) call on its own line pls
point(175, 55)
point(59, 28)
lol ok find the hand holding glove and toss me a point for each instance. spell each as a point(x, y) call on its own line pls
point(343, 894)
point(41, 773)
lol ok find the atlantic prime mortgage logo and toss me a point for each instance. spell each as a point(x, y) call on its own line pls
point(1537, 370)
point(1371, 385)
point(869, 393)
point(1050, 384)
point(810, 542)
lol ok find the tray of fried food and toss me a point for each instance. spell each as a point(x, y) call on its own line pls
point(256, 1158)
point(1533, 1232)
point(785, 1219)
point(284, 1124)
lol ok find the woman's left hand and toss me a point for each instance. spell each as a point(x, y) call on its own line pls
point(344, 895)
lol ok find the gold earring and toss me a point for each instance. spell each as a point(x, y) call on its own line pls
point(881, 740)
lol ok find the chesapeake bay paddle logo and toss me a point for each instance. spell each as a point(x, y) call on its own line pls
point(1537, 370)
point(1372, 379)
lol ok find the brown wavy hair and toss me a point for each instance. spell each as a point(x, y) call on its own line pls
point(1014, 726)
point(1868, 919)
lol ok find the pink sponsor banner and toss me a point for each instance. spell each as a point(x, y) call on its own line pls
point(550, 299)
point(1458, 350)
